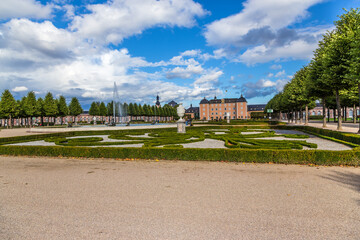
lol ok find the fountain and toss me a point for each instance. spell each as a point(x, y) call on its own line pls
point(119, 109)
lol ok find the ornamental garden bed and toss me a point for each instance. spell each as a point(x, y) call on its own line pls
point(281, 144)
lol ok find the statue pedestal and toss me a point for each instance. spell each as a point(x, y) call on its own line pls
point(181, 126)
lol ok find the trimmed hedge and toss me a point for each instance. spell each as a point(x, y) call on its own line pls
point(174, 151)
point(317, 157)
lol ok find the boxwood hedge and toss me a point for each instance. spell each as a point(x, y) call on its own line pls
point(176, 152)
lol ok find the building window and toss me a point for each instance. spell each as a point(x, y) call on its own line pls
point(212, 113)
point(220, 109)
point(215, 105)
point(241, 107)
point(216, 113)
point(225, 109)
point(204, 114)
point(234, 112)
point(234, 108)
point(241, 112)
point(212, 109)
point(215, 109)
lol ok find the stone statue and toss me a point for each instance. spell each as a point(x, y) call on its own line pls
point(181, 122)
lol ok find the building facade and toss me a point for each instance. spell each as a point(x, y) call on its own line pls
point(217, 109)
point(192, 112)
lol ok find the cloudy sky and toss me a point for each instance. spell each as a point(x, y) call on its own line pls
point(182, 50)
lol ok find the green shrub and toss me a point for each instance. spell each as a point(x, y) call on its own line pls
point(318, 157)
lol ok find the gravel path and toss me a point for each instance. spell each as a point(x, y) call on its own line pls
point(207, 143)
point(52, 198)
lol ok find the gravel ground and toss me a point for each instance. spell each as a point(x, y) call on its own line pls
point(52, 198)
point(207, 143)
point(248, 133)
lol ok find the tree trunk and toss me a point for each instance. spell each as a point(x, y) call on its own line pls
point(324, 113)
point(328, 110)
point(359, 104)
point(300, 115)
point(354, 113)
point(339, 127)
point(288, 117)
point(306, 115)
point(296, 117)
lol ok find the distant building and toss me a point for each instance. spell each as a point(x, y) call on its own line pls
point(192, 112)
point(157, 101)
point(218, 108)
point(172, 103)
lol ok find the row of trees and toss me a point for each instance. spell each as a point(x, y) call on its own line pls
point(332, 77)
point(29, 107)
point(133, 110)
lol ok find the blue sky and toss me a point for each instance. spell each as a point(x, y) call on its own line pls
point(183, 50)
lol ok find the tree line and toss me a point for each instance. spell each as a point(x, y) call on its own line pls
point(29, 106)
point(133, 110)
point(49, 107)
point(332, 77)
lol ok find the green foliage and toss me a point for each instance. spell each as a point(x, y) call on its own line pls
point(317, 157)
point(94, 109)
point(102, 109)
point(63, 109)
point(75, 107)
point(30, 104)
point(7, 104)
point(257, 115)
point(50, 106)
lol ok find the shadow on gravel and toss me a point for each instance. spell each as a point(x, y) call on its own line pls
point(349, 179)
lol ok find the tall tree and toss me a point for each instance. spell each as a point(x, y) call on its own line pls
point(94, 110)
point(75, 108)
point(348, 27)
point(30, 106)
point(102, 111)
point(40, 112)
point(62, 108)
point(50, 106)
point(7, 106)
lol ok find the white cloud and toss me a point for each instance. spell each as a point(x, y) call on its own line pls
point(19, 89)
point(257, 14)
point(294, 50)
point(279, 74)
point(270, 75)
point(41, 57)
point(191, 53)
point(115, 20)
point(24, 8)
point(41, 41)
point(184, 73)
point(261, 33)
point(262, 87)
point(276, 67)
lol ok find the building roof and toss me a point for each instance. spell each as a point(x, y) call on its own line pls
point(225, 100)
point(157, 100)
point(192, 109)
point(204, 101)
point(172, 103)
point(256, 107)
